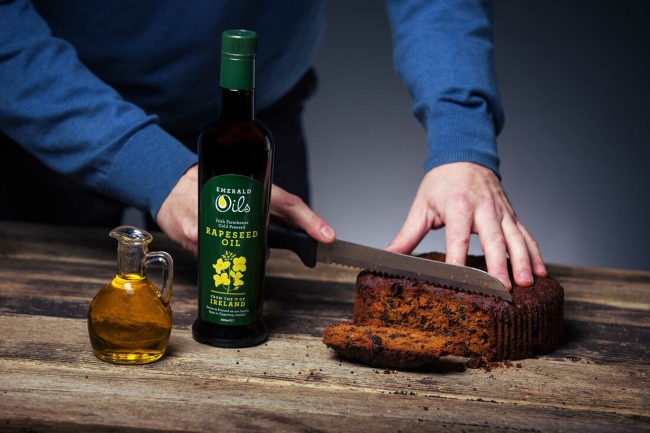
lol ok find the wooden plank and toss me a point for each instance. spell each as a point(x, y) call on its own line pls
point(599, 274)
point(298, 376)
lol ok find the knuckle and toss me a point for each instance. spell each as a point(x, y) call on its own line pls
point(518, 237)
point(494, 240)
point(489, 206)
point(521, 263)
point(461, 204)
point(292, 201)
point(532, 243)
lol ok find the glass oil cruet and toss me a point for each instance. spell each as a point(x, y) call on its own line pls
point(130, 319)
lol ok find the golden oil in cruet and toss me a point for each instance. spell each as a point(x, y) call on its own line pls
point(130, 319)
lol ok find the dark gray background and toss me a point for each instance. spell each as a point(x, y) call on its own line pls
point(573, 78)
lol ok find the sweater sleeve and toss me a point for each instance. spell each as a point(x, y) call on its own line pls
point(58, 110)
point(443, 50)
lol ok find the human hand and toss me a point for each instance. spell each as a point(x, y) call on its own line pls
point(291, 210)
point(178, 216)
point(468, 198)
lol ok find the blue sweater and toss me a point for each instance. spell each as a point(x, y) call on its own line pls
point(94, 88)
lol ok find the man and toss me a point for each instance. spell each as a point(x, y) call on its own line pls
point(102, 102)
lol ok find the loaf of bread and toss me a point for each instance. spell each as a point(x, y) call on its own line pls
point(404, 324)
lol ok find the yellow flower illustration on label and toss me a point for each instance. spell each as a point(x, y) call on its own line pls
point(222, 276)
point(239, 264)
point(220, 279)
point(237, 278)
point(221, 265)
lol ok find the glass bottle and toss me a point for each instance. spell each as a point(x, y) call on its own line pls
point(235, 153)
point(130, 319)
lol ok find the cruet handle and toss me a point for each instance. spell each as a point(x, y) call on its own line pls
point(167, 273)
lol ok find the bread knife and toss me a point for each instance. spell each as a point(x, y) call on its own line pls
point(380, 261)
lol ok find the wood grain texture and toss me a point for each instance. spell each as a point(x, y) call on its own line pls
point(50, 381)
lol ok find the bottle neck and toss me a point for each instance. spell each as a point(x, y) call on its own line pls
point(237, 104)
point(131, 260)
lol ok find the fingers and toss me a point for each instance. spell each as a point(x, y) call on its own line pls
point(505, 234)
point(518, 252)
point(413, 230)
point(293, 210)
point(538, 266)
point(459, 216)
point(466, 198)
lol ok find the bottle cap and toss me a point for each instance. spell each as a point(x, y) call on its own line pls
point(239, 42)
point(238, 51)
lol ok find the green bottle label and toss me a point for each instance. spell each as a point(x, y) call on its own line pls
point(232, 249)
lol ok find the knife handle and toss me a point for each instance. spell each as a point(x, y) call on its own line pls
point(288, 238)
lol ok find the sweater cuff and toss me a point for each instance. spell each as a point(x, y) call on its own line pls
point(147, 167)
point(457, 133)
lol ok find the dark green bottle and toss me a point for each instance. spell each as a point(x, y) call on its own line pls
point(235, 175)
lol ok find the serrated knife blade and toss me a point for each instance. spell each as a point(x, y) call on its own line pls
point(377, 260)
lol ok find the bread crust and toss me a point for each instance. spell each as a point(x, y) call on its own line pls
point(403, 324)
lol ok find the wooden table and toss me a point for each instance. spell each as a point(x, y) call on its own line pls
point(51, 381)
